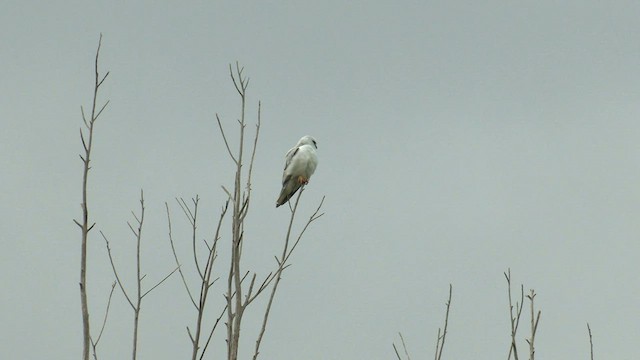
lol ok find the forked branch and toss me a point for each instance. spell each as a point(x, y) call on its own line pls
point(136, 303)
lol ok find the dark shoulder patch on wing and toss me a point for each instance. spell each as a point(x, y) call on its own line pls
point(289, 158)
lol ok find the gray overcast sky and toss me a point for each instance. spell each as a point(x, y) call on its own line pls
point(456, 140)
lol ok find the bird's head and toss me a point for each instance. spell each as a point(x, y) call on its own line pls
point(308, 140)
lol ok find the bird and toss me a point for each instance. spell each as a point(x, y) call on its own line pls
point(300, 163)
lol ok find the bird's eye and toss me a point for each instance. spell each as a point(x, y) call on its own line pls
point(315, 143)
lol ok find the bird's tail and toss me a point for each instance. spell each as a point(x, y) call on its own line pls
point(288, 190)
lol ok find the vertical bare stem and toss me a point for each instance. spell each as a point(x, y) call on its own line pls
point(590, 340)
point(137, 305)
point(136, 310)
point(205, 278)
point(235, 307)
point(534, 325)
point(514, 318)
point(446, 324)
point(85, 227)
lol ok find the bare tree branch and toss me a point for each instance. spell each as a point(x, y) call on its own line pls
point(215, 325)
point(404, 346)
point(441, 339)
point(94, 344)
point(175, 256)
point(160, 282)
point(514, 319)
point(235, 309)
point(84, 226)
point(205, 277)
point(438, 337)
point(245, 206)
point(137, 232)
point(226, 143)
point(590, 340)
point(192, 216)
point(286, 253)
point(396, 350)
point(115, 272)
point(534, 325)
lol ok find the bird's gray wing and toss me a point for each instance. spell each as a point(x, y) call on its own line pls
point(288, 158)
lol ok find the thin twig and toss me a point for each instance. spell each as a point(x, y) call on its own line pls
point(404, 346)
point(205, 280)
point(396, 350)
point(160, 282)
point(106, 313)
point(136, 310)
point(192, 216)
point(245, 206)
point(534, 325)
point(446, 324)
point(115, 272)
point(215, 325)
point(286, 253)
point(94, 344)
point(224, 137)
point(281, 262)
point(590, 340)
point(437, 344)
point(175, 256)
point(514, 319)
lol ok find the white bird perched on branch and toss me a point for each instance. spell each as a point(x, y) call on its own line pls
point(301, 162)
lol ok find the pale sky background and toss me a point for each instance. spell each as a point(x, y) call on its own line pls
point(456, 140)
